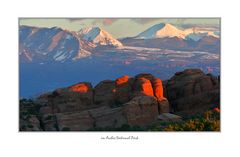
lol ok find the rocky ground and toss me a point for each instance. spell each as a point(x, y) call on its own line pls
point(140, 101)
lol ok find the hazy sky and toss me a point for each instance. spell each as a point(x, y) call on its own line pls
point(117, 27)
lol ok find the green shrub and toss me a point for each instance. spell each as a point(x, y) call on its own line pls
point(210, 121)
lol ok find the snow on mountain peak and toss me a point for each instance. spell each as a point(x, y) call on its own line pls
point(162, 30)
point(98, 36)
point(198, 33)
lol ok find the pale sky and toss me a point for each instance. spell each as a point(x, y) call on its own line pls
point(118, 27)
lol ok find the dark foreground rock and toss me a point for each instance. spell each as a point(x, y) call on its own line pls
point(192, 91)
point(136, 101)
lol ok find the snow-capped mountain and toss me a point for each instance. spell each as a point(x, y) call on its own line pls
point(196, 36)
point(198, 33)
point(165, 30)
point(167, 36)
point(49, 44)
point(161, 30)
point(98, 36)
point(55, 44)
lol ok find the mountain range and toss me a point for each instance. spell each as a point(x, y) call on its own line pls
point(53, 57)
point(165, 30)
point(167, 36)
point(55, 44)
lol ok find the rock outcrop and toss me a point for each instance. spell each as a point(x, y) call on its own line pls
point(192, 91)
point(104, 93)
point(133, 101)
point(123, 89)
point(136, 101)
point(158, 88)
point(29, 119)
point(143, 86)
point(141, 110)
point(78, 97)
point(147, 84)
point(168, 117)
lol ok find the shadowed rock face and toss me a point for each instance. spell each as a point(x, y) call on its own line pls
point(123, 89)
point(104, 92)
point(192, 91)
point(141, 110)
point(134, 101)
point(75, 98)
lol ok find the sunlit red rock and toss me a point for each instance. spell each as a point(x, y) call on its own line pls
point(158, 88)
point(75, 98)
point(81, 87)
point(133, 101)
point(122, 80)
point(143, 86)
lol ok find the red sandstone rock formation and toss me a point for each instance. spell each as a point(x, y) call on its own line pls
point(141, 110)
point(143, 86)
point(133, 101)
point(158, 88)
point(122, 80)
point(81, 88)
point(191, 91)
point(123, 89)
point(104, 93)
